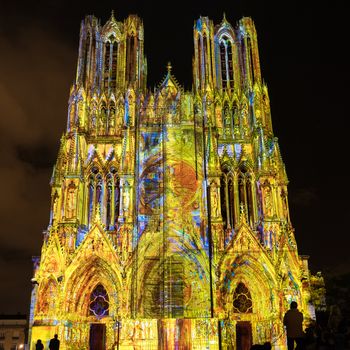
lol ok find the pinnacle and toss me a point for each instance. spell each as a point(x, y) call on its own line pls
point(97, 218)
point(112, 15)
point(242, 213)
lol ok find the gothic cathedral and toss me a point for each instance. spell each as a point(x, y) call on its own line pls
point(169, 224)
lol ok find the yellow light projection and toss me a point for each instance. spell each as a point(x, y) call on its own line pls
point(169, 225)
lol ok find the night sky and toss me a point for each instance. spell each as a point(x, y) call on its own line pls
point(304, 61)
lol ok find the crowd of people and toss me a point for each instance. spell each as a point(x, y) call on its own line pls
point(330, 332)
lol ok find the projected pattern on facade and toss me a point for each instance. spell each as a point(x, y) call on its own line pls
point(169, 224)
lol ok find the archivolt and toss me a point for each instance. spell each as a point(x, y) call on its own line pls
point(84, 279)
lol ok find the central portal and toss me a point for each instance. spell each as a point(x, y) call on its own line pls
point(97, 336)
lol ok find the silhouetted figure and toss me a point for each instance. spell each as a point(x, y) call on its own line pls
point(39, 345)
point(267, 346)
point(293, 320)
point(54, 343)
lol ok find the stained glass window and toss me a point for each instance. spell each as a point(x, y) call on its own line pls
point(99, 302)
point(242, 300)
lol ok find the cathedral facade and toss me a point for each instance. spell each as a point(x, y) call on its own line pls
point(169, 225)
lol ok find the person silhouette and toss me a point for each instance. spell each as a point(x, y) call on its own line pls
point(293, 321)
point(54, 343)
point(39, 345)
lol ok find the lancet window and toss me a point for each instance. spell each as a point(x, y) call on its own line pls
point(236, 192)
point(107, 64)
point(112, 199)
point(110, 63)
point(85, 63)
point(109, 199)
point(200, 53)
point(95, 193)
point(131, 57)
point(203, 58)
point(93, 118)
point(114, 65)
point(116, 197)
point(242, 300)
point(99, 302)
point(250, 60)
point(104, 196)
point(228, 200)
point(226, 61)
point(245, 194)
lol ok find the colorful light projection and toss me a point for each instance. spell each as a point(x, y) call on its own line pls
point(169, 225)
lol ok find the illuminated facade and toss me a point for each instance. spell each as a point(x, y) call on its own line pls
point(169, 225)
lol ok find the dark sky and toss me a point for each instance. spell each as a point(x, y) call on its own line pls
point(304, 61)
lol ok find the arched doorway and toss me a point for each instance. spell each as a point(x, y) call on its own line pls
point(98, 307)
point(242, 303)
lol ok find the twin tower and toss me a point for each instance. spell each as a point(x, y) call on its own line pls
point(169, 225)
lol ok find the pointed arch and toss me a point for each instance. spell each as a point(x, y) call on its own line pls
point(225, 40)
point(184, 276)
point(99, 302)
point(226, 61)
point(83, 280)
point(242, 300)
point(168, 276)
point(247, 273)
